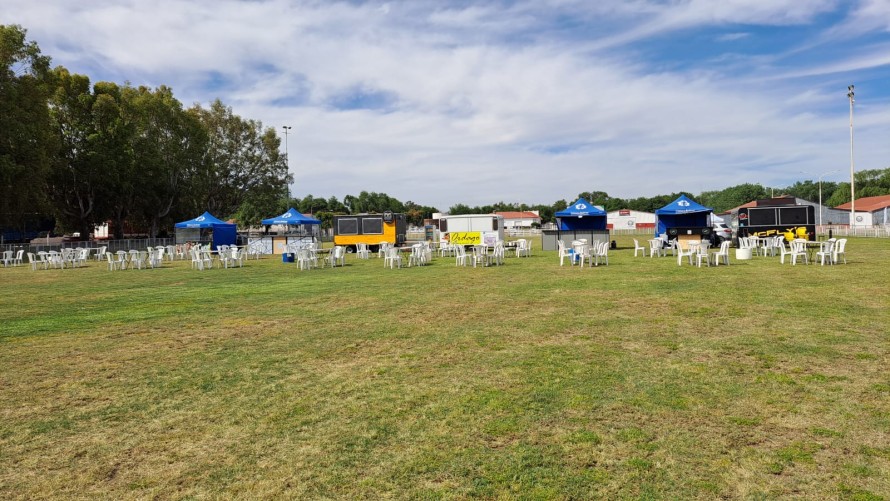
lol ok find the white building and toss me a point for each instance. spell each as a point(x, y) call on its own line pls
point(517, 220)
point(870, 211)
point(627, 219)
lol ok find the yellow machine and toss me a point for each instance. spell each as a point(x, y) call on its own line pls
point(371, 229)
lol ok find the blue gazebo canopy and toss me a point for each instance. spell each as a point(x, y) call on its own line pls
point(581, 215)
point(292, 216)
point(205, 220)
point(223, 233)
point(682, 213)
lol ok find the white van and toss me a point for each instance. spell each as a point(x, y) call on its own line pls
point(471, 229)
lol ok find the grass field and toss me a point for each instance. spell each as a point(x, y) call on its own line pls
point(639, 380)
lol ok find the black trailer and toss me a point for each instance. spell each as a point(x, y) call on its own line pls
point(793, 221)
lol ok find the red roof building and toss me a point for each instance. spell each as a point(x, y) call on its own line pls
point(524, 219)
point(870, 211)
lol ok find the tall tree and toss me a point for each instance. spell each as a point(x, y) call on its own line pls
point(168, 143)
point(111, 149)
point(76, 182)
point(26, 140)
point(242, 162)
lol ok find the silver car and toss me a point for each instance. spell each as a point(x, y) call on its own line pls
point(720, 232)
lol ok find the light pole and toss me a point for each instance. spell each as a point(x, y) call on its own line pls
point(820, 191)
point(287, 158)
point(852, 189)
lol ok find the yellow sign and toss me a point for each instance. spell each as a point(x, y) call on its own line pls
point(466, 237)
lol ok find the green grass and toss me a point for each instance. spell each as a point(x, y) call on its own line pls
point(640, 380)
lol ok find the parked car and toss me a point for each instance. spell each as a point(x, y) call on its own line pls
point(720, 232)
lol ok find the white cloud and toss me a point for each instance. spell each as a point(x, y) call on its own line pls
point(526, 101)
point(731, 37)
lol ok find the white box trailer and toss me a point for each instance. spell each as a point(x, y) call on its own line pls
point(471, 229)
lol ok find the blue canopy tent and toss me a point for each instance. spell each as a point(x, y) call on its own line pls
point(222, 233)
point(295, 232)
point(682, 213)
point(291, 217)
point(581, 220)
point(581, 215)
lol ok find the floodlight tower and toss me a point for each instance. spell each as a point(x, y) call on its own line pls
point(287, 158)
point(850, 95)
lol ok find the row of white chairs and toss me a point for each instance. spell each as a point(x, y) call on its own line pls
point(135, 259)
point(701, 253)
point(66, 258)
point(307, 257)
point(581, 251)
point(11, 258)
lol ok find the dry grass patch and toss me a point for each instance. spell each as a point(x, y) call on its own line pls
point(637, 380)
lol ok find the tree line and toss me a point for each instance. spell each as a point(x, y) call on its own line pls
point(86, 153)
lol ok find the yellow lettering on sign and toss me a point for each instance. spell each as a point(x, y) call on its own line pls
point(466, 238)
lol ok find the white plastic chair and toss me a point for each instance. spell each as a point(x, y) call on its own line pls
point(307, 259)
point(580, 251)
point(381, 250)
point(639, 248)
point(840, 250)
point(32, 260)
point(337, 257)
point(497, 257)
point(784, 250)
point(599, 252)
point(656, 247)
point(688, 253)
point(702, 254)
point(563, 252)
point(362, 252)
point(392, 257)
point(799, 249)
point(42, 258)
point(480, 255)
point(238, 256)
point(826, 252)
point(416, 257)
point(460, 255)
point(722, 254)
point(523, 248)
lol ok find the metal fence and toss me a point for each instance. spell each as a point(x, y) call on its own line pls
point(858, 231)
point(113, 245)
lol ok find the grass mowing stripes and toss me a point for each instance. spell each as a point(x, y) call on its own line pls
point(637, 380)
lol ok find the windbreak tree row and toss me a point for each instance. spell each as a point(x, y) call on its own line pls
point(90, 153)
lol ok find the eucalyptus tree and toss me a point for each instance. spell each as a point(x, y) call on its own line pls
point(167, 143)
point(111, 149)
point(241, 163)
point(26, 140)
point(76, 182)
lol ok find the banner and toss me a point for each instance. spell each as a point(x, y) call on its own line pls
point(465, 237)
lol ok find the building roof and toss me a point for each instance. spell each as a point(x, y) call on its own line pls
point(868, 204)
point(518, 215)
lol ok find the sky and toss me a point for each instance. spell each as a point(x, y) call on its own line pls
point(445, 102)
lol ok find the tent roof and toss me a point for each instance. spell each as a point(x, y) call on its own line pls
point(292, 216)
point(682, 205)
point(205, 220)
point(580, 208)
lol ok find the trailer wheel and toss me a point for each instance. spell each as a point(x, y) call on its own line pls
point(350, 249)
